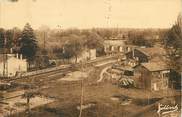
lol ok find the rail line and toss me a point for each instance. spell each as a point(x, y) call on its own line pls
point(46, 73)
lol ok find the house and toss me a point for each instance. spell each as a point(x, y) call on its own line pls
point(152, 76)
point(87, 54)
point(143, 55)
point(115, 45)
point(12, 64)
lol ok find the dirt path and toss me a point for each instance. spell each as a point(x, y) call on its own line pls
point(102, 73)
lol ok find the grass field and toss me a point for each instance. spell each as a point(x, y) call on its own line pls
point(67, 95)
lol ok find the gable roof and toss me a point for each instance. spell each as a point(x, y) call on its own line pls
point(152, 51)
point(155, 66)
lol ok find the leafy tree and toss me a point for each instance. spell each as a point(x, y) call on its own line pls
point(28, 43)
point(9, 38)
point(138, 39)
point(73, 47)
point(173, 44)
point(16, 36)
point(105, 33)
point(2, 37)
point(28, 95)
point(30, 92)
point(93, 40)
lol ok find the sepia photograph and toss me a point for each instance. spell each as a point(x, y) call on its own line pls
point(90, 58)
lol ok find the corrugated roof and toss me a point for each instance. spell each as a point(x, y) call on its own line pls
point(128, 68)
point(152, 51)
point(155, 66)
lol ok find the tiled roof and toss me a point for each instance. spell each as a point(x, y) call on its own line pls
point(155, 66)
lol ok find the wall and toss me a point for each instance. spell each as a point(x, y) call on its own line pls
point(87, 54)
point(114, 46)
point(160, 80)
point(143, 77)
point(92, 54)
point(147, 79)
point(14, 65)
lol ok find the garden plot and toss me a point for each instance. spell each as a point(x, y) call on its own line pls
point(19, 104)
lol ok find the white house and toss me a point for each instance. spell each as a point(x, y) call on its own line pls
point(87, 54)
point(12, 64)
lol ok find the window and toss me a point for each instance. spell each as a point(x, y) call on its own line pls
point(156, 75)
point(165, 74)
point(137, 58)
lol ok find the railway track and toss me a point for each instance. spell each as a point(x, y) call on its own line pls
point(48, 75)
point(44, 74)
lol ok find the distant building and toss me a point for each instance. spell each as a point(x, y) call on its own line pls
point(152, 76)
point(12, 64)
point(87, 54)
point(129, 48)
point(115, 45)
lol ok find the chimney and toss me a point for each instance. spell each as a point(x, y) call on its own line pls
point(17, 55)
point(11, 50)
point(21, 57)
point(133, 52)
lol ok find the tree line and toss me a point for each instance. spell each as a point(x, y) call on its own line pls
point(70, 43)
point(23, 42)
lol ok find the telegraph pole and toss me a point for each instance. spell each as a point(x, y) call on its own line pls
point(81, 98)
point(5, 58)
point(82, 88)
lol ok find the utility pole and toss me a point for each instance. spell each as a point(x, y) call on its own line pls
point(81, 98)
point(5, 58)
point(82, 89)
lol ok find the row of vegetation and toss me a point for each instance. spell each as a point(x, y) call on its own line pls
point(69, 43)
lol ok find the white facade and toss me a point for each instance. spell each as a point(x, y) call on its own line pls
point(92, 54)
point(87, 54)
point(12, 65)
point(114, 46)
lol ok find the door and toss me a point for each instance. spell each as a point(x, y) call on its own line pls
point(155, 88)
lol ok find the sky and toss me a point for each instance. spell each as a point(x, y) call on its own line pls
point(90, 13)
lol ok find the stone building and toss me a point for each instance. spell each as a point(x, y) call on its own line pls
point(115, 45)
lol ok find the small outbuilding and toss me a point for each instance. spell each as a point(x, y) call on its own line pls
point(152, 76)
